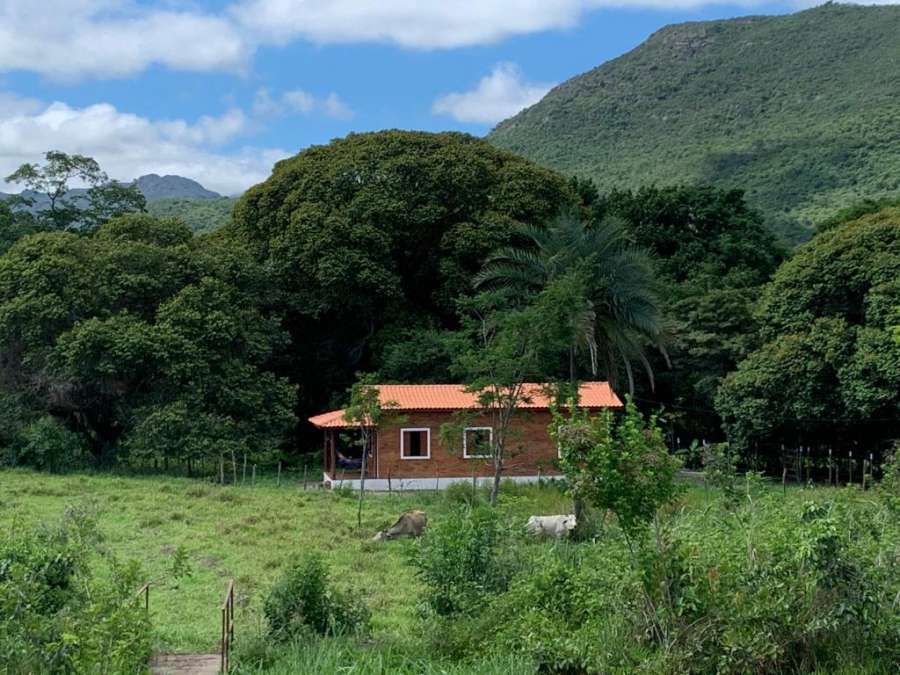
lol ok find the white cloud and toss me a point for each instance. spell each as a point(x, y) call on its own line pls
point(128, 145)
point(13, 104)
point(497, 96)
point(335, 107)
point(68, 39)
point(436, 24)
point(298, 101)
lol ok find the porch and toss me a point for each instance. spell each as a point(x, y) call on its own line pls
point(343, 457)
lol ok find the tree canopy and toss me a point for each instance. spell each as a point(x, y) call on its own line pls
point(827, 363)
point(137, 338)
point(372, 238)
point(66, 208)
point(712, 253)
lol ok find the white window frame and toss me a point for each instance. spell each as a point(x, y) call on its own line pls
point(427, 431)
point(466, 454)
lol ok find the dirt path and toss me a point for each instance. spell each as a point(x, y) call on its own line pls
point(185, 664)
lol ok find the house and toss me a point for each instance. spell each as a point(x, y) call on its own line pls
point(408, 451)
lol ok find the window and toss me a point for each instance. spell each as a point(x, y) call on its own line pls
point(415, 443)
point(478, 442)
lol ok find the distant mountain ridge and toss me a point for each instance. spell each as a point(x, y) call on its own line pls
point(152, 186)
point(156, 187)
point(802, 111)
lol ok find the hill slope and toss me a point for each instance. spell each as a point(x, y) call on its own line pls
point(171, 187)
point(802, 111)
point(202, 214)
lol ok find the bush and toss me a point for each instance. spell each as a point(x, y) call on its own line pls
point(303, 601)
point(459, 560)
point(768, 585)
point(889, 488)
point(59, 614)
point(464, 494)
point(46, 444)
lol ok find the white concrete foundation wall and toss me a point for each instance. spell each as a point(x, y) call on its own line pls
point(409, 484)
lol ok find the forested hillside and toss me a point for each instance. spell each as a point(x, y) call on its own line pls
point(801, 111)
point(200, 214)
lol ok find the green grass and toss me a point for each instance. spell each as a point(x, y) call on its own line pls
point(245, 533)
point(251, 533)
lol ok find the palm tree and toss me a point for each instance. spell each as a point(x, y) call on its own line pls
point(619, 315)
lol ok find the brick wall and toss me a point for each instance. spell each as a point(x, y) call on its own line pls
point(529, 449)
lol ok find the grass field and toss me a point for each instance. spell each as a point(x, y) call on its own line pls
point(247, 534)
point(191, 537)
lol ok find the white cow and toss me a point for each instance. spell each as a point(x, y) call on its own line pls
point(550, 526)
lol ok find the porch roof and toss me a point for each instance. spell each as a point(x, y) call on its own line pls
point(400, 397)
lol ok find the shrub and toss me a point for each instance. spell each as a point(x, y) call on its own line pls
point(47, 444)
point(59, 614)
point(302, 601)
point(720, 471)
point(889, 488)
point(768, 585)
point(459, 560)
point(618, 464)
point(464, 493)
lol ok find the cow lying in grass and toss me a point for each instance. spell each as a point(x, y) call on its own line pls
point(409, 524)
point(550, 526)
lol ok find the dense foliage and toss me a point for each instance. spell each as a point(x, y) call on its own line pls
point(371, 239)
point(712, 254)
point(617, 465)
point(827, 365)
point(15, 224)
point(798, 110)
point(137, 338)
point(303, 600)
point(763, 583)
point(56, 207)
point(66, 606)
point(200, 214)
point(459, 562)
point(602, 286)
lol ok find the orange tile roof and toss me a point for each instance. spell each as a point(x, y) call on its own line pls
point(455, 397)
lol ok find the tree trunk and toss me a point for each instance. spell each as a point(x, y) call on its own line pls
point(498, 474)
point(362, 481)
point(578, 508)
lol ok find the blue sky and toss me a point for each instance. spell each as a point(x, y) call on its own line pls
point(218, 91)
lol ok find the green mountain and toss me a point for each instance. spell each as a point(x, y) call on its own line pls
point(801, 111)
point(202, 214)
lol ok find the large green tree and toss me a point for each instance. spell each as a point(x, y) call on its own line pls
point(611, 310)
point(140, 337)
point(827, 364)
point(62, 208)
point(15, 224)
point(712, 254)
point(371, 238)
